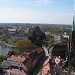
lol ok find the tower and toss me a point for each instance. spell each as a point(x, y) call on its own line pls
point(72, 38)
point(73, 27)
point(73, 35)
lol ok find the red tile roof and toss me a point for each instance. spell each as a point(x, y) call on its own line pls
point(17, 58)
point(45, 69)
point(39, 50)
point(17, 71)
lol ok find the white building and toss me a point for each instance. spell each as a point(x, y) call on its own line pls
point(57, 38)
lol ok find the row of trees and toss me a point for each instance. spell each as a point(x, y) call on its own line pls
point(4, 38)
point(2, 57)
point(56, 31)
point(22, 46)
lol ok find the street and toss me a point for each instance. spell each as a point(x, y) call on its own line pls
point(43, 62)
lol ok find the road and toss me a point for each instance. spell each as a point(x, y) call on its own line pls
point(39, 66)
point(43, 62)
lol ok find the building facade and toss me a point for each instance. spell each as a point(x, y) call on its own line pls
point(22, 64)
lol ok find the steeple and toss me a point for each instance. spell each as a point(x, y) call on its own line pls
point(73, 27)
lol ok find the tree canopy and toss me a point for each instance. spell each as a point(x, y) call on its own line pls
point(1, 70)
point(23, 45)
point(4, 37)
point(2, 57)
point(36, 36)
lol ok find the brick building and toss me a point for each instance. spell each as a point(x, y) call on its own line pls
point(22, 64)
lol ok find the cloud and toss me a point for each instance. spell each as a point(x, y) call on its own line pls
point(13, 12)
point(23, 3)
point(24, 16)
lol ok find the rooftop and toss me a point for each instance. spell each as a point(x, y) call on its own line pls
point(17, 71)
point(39, 50)
point(12, 29)
point(45, 69)
point(17, 58)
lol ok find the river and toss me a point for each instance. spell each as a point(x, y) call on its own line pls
point(4, 50)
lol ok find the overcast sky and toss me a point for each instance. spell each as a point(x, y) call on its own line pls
point(37, 11)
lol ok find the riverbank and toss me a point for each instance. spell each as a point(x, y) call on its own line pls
point(6, 44)
point(5, 50)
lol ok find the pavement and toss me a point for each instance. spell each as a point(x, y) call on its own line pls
point(46, 64)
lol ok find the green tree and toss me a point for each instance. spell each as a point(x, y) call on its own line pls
point(51, 41)
point(4, 37)
point(23, 45)
point(1, 70)
point(72, 63)
point(2, 57)
point(11, 53)
point(55, 31)
point(38, 41)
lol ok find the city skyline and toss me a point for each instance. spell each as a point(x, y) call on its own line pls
point(37, 11)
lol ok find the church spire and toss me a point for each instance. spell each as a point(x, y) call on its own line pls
point(73, 27)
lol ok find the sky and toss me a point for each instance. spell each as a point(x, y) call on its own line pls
point(37, 11)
